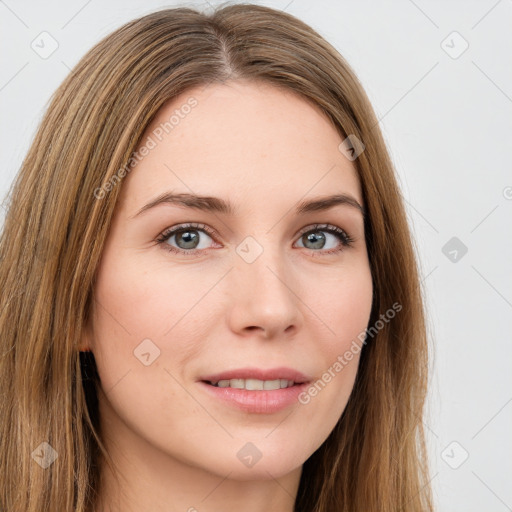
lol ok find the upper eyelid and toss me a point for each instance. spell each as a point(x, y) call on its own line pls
point(320, 226)
point(201, 227)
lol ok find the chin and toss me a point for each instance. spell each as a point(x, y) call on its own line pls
point(258, 460)
point(268, 470)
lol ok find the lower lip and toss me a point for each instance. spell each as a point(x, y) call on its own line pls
point(257, 401)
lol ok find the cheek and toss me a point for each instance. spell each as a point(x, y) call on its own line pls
point(350, 317)
point(146, 298)
point(141, 343)
point(343, 305)
point(144, 313)
point(344, 310)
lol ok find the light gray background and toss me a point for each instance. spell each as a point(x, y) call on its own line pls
point(447, 119)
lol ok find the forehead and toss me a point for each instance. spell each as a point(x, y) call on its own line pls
point(245, 140)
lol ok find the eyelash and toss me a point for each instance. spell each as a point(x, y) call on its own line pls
point(345, 239)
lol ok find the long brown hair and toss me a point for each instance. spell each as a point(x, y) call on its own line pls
point(57, 224)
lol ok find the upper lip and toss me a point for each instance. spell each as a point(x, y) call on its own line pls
point(258, 373)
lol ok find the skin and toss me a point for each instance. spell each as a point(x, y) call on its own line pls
point(263, 149)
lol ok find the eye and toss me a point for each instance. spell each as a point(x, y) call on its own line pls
point(316, 239)
point(186, 239)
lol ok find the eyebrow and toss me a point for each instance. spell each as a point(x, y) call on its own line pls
point(218, 205)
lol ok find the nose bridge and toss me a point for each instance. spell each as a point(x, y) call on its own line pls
point(262, 261)
point(265, 294)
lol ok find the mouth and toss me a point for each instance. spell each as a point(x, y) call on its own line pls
point(263, 395)
point(257, 379)
point(252, 384)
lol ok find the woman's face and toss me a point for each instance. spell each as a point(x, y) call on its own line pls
point(250, 293)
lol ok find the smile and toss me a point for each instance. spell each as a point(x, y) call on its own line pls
point(253, 384)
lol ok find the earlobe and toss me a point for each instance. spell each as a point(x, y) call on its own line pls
point(84, 347)
point(85, 344)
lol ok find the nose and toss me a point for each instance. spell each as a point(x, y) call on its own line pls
point(265, 298)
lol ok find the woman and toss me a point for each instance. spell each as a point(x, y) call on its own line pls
point(210, 294)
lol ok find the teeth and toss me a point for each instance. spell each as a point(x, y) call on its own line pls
point(254, 384)
point(235, 383)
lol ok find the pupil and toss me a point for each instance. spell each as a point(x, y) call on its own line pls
point(318, 241)
point(190, 239)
